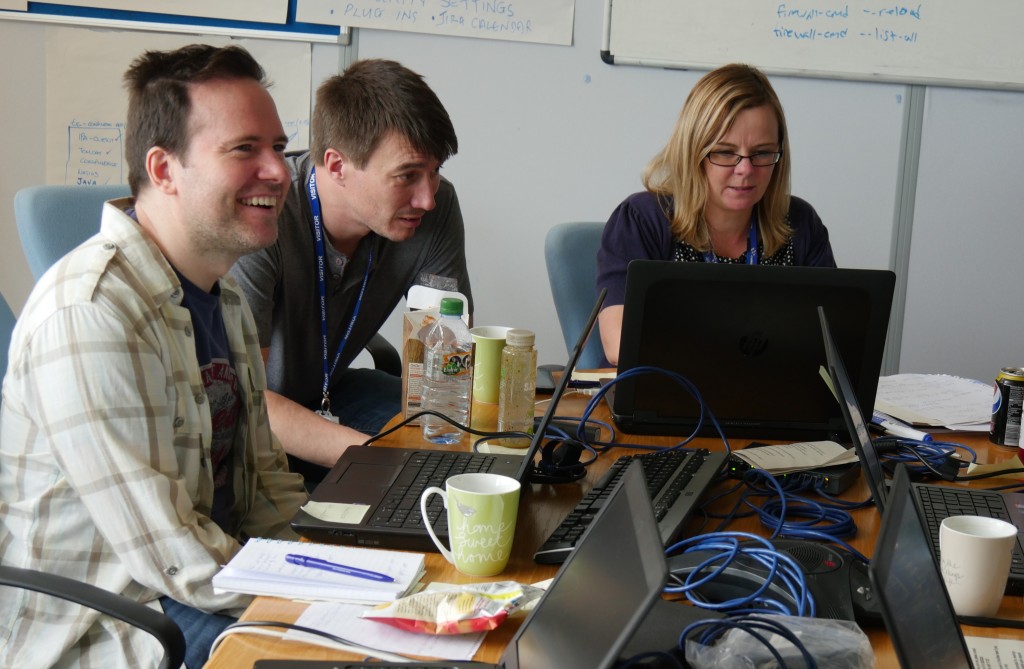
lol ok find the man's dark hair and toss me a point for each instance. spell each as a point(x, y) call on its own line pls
point(158, 97)
point(356, 110)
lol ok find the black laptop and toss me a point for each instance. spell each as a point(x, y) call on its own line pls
point(748, 339)
point(371, 495)
point(591, 609)
point(906, 579)
point(933, 502)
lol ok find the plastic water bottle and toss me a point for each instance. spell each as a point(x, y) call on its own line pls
point(447, 374)
point(518, 386)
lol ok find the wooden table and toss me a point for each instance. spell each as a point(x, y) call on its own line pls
point(542, 508)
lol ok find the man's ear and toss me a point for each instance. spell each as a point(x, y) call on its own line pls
point(337, 165)
point(160, 166)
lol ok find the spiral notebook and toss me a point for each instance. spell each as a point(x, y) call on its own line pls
point(260, 568)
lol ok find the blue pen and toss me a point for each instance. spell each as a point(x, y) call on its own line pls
point(898, 428)
point(325, 565)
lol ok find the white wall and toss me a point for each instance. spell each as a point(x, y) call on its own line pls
point(23, 81)
point(965, 294)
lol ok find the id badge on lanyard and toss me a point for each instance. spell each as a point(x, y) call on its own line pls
point(321, 264)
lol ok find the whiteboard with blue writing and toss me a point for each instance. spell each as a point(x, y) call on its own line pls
point(974, 43)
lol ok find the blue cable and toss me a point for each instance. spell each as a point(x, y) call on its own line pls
point(726, 547)
point(687, 385)
point(821, 522)
point(926, 458)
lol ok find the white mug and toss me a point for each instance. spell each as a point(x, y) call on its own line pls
point(975, 558)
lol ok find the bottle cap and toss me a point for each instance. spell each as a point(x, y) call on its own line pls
point(518, 337)
point(451, 306)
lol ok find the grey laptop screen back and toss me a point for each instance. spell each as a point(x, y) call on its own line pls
point(602, 592)
point(871, 466)
point(908, 583)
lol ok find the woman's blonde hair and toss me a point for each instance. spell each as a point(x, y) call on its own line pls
point(708, 113)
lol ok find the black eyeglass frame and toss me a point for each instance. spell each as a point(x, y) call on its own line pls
point(754, 158)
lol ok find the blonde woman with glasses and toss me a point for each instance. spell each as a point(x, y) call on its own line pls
point(717, 192)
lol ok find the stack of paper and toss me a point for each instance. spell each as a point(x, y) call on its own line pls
point(260, 568)
point(936, 400)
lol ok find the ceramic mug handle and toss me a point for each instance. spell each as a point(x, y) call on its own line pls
point(424, 498)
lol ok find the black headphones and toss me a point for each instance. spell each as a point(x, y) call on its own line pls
point(559, 462)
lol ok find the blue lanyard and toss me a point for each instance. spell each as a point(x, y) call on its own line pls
point(709, 256)
point(318, 238)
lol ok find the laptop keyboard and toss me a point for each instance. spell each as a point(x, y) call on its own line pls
point(939, 502)
point(676, 480)
point(401, 507)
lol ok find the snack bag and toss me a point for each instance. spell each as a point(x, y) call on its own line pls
point(477, 607)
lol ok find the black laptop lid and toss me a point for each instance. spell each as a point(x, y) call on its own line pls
point(749, 339)
point(856, 425)
point(908, 584)
point(563, 383)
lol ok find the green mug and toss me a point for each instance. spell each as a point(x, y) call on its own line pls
point(482, 510)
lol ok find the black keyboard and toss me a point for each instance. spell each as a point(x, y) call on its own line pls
point(940, 502)
point(676, 481)
point(401, 506)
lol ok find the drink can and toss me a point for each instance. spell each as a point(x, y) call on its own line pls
point(1007, 401)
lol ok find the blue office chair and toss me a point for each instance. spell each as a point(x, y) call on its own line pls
point(570, 252)
point(7, 321)
point(52, 220)
point(154, 622)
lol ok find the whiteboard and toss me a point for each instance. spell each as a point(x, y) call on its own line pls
point(541, 21)
point(944, 42)
point(265, 11)
point(269, 19)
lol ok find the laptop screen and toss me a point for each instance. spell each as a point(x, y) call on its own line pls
point(908, 583)
point(748, 338)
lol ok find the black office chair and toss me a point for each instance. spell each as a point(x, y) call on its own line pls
point(154, 622)
point(52, 220)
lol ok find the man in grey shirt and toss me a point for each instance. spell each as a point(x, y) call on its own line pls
point(367, 217)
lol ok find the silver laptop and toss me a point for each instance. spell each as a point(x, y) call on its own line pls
point(380, 487)
point(748, 339)
point(594, 605)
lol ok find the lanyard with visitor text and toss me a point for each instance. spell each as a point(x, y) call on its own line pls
point(318, 238)
point(709, 256)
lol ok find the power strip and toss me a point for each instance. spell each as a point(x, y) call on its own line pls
point(830, 480)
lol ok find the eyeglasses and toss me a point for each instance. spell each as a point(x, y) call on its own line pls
point(730, 159)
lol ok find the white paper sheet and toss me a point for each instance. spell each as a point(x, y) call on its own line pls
point(344, 620)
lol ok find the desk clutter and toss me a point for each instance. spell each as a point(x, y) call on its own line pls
point(796, 592)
